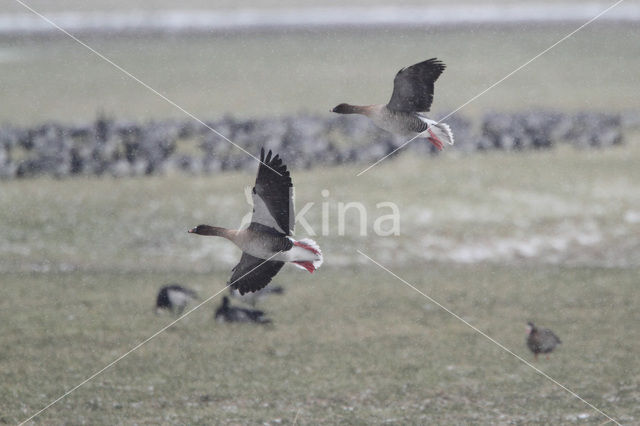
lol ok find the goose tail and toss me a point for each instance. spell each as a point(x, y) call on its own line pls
point(445, 132)
point(311, 258)
point(438, 134)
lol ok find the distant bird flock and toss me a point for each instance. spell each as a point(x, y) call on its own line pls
point(175, 298)
point(92, 149)
point(267, 244)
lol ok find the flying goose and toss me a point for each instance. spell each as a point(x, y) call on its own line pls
point(266, 243)
point(253, 298)
point(411, 99)
point(541, 341)
point(174, 298)
point(228, 313)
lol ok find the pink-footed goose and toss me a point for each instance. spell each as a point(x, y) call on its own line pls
point(411, 99)
point(268, 235)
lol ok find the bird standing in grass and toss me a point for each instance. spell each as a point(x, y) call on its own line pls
point(253, 298)
point(541, 340)
point(266, 243)
point(228, 313)
point(412, 96)
point(174, 298)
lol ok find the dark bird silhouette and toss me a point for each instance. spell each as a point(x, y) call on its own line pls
point(257, 296)
point(541, 340)
point(174, 298)
point(266, 243)
point(404, 115)
point(228, 313)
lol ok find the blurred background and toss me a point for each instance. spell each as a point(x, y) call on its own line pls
point(533, 215)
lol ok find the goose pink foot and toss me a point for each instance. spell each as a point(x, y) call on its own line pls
point(307, 247)
point(306, 265)
point(435, 141)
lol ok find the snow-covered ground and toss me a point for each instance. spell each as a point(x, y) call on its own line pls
point(312, 17)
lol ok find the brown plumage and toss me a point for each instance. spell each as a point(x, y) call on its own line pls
point(541, 340)
point(413, 89)
point(266, 243)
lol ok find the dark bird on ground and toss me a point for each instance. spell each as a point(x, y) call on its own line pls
point(541, 340)
point(228, 313)
point(257, 296)
point(266, 243)
point(412, 96)
point(174, 298)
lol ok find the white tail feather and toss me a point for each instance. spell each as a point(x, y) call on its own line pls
point(318, 262)
point(444, 131)
point(298, 266)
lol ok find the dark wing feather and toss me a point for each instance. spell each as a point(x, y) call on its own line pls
point(413, 86)
point(251, 274)
point(550, 337)
point(273, 195)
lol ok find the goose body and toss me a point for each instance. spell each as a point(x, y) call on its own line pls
point(404, 115)
point(175, 298)
point(541, 340)
point(266, 244)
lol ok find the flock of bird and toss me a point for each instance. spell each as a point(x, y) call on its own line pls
point(175, 298)
point(267, 243)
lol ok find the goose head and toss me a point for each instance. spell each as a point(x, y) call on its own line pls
point(207, 230)
point(530, 327)
point(345, 109)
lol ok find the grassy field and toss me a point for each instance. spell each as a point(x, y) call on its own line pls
point(271, 74)
point(499, 239)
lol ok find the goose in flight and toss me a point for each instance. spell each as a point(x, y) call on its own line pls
point(541, 340)
point(411, 99)
point(266, 244)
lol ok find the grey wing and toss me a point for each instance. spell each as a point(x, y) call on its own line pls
point(549, 340)
point(273, 195)
point(252, 274)
point(413, 86)
point(554, 337)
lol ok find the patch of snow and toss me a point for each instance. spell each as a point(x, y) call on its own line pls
point(471, 254)
point(632, 216)
point(588, 239)
point(462, 212)
point(547, 247)
point(576, 417)
point(423, 217)
point(559, 243)
point(304, 18)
